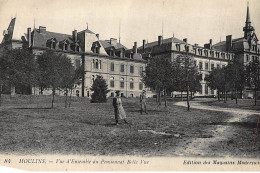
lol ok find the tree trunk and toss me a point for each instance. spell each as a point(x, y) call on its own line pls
point(53, 94)
point(236, 95)
point(218, 95)
point(66, 99)
point(159, 97)
point(70, 97)
point(165, 99)
point(188, 102)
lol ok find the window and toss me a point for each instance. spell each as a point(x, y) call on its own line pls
point(92, 79)
point(178, 47)
point(100, 64)
point(141, 71)
point(212, 91)
point(206, 75)
point(200, 66)
point(206, 52)
point(223, 55)
point(65, 46)
point(131, 83)
point(112, 66)
point(140, 85)
point(206, 66)
point(131, 69)
point(212, 67)
point(112, 82)
point(122, 83)
point(211, 53)
point(187, 49)
point(53, 45)
point(200, 75)
point(122, 69)
point(200, 52)
point(206, 90)
point(96, 64)
point(77, 48)
point(247, 58)
point(195, 63)
point(97, 50)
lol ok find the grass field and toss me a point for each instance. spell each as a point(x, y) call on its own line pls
point(28, 126)
point(241, 104)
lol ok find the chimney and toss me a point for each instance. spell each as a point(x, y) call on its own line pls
point(228, 42)
point(159, 40)
point(29, 37)
point(97, 36)
point(42, 29)
point(113, 41)
point(135, 47)
point(143, 45)
point(74, 35)
point(185, 40)
point(210, 43)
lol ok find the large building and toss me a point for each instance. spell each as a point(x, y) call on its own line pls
point(106, 58)
point(245, 48)
point(206, 58)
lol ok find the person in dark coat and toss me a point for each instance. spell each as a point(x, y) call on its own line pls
point(143, 102)
point(118, 108)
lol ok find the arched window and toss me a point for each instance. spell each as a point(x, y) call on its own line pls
point(96, 64)
point(141, 85)
point(131, 83)
point(122, 82)
point(112, 82)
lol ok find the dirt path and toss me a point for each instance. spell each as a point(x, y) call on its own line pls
point(199, 146)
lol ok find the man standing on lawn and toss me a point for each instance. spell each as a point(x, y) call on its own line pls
point(118, 108)
point(143, 102)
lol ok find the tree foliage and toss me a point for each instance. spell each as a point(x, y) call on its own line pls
point(252, 77)
point(100, 90)
point(55, 71)
point(18, 68)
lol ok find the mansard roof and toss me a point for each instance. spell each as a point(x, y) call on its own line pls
point(106, 44)
point(164, 41)
point(40, 39)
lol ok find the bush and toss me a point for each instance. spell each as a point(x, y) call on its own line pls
point(100, 90)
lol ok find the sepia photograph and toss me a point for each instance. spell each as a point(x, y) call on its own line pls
point(130, 85)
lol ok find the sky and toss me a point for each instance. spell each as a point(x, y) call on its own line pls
point(197, 20)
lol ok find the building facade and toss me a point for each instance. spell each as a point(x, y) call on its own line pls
point(205, 58)
point(245, 48)
point(97, 57)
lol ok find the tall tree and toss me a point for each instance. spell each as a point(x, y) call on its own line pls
point(100, 90)
point(252, 77)
point(235, 74)
point(216, 80)
point(18, 69)
point(189, 74)
point(159, 75)
point(51, 71)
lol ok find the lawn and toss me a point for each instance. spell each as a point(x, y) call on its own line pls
point(241, 104)
point(28, 126)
